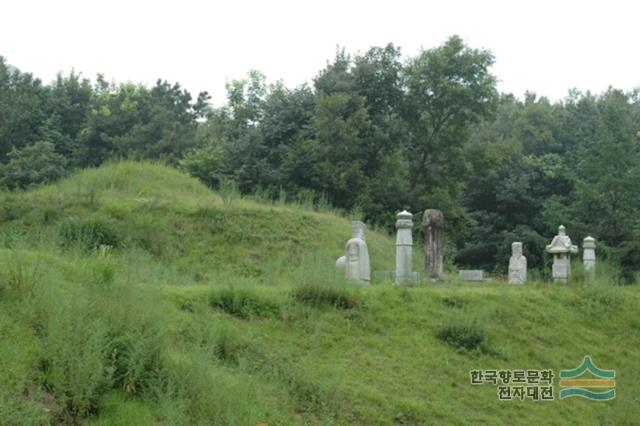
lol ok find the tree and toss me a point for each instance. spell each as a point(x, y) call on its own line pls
point(448, 89)
point(608, 197)
point(34, 164)
point(22, 109)
point(68, 106)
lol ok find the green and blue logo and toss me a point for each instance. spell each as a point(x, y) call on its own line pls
point(603, 380)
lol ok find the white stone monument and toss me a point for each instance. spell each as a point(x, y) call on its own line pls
point(341, 262)
point(589, 255)
point(404, 246)
point(561, 248)
point(358, 266)
point(517, 265)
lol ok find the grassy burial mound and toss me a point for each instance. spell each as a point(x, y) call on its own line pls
point(132, 294)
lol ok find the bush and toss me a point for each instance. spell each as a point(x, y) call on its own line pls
point(204, 163)
point(89, 233)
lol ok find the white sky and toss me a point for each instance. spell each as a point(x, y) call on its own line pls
point(544, 46)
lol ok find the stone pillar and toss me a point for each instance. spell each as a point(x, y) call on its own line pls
point(561, 248)
point(433, 224)
point(404, 245)
point(561, 268)
point(589, 255)
point(517, 265)
point(357, 265)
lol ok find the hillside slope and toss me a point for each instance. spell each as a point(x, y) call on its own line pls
point(212, 309)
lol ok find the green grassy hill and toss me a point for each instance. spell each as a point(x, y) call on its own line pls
point(132, 294)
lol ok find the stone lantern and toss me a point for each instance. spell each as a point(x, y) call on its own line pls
point(561, 248)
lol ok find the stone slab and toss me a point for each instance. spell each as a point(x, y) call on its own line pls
point(471, 274)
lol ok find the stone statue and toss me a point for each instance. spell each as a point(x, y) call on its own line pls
point(561, 248)
point(433, 224)
point(404, 246)
point(517, 265)
point(357, 265)
point(589, 255)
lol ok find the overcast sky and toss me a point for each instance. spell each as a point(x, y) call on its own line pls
point(543, 46)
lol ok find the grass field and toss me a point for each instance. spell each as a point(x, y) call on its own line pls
point(132, 294)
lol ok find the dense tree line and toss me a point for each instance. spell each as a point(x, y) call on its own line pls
point(373, 133)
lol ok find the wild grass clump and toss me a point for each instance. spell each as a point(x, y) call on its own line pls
point(326, 296)
point(193, 390)
point(227, 344)
point(90, 233)
point(75, 363)
point(454, 301)
point(17, 278)
point(310, 394)
point(244, 303)
point(22, 401)
point(598, 300)
point(600, 293)
point(464, 333)
point(318, 286)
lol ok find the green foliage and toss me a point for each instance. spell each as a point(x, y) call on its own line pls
point(185, 336)
point(90, 233)
point(464, 333)
point(204, 163)
point(75, 367)
point(449, 88)
point(323, 296)
point(32, 165)
point(23, 101)
point(372, 134)
point(243, 303)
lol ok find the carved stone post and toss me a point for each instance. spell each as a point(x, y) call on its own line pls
point(433, 224)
